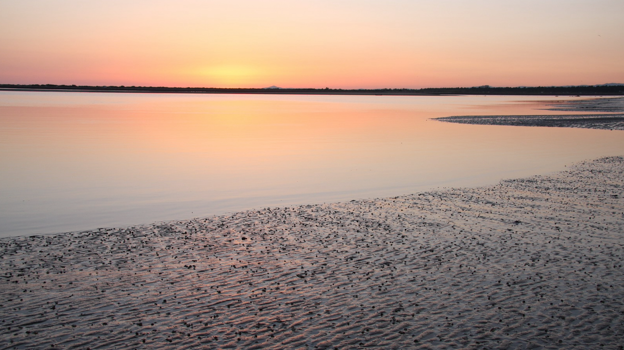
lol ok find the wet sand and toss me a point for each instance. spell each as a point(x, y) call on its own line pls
point(604, 115)
point(585, 121)
point(526, 263)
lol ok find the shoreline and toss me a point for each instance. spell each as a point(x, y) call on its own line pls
point(526, 262)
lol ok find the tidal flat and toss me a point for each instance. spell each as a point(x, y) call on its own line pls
point(527, 263)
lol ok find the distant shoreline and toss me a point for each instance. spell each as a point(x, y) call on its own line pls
point(599, 90)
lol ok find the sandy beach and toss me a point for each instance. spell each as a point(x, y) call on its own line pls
point(526, 263)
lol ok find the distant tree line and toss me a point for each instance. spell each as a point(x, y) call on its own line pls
point(592, 90)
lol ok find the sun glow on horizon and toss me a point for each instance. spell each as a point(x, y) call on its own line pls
point(229, 75)
point(350, 44)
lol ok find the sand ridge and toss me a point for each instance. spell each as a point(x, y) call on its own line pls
point(585, 121)
point(533, 262)
point(606, 113)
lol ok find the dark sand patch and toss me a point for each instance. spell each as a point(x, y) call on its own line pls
point(527, 263)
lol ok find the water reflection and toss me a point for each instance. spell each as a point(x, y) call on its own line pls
point(76, 161)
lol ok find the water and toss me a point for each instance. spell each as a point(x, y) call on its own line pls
point(77, 161)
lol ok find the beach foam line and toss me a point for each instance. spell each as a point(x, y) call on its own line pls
point(533, 262)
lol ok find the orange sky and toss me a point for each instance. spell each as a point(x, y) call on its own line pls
point(312, 43)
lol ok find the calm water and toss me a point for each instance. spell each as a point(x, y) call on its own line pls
point(76, 161)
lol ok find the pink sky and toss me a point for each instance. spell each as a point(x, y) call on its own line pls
point(320, 43)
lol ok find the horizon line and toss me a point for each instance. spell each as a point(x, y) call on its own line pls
point(273, 87)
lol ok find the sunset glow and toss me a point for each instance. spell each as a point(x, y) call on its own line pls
point(346, 44)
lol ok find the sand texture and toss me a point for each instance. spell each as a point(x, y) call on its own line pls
point(528, 263)
point(604, 115)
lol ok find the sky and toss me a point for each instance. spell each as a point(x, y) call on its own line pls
point(312, 43)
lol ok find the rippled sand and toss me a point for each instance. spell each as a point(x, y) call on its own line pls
point(528, 263)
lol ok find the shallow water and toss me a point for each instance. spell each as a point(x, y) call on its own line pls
point(76, 161)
